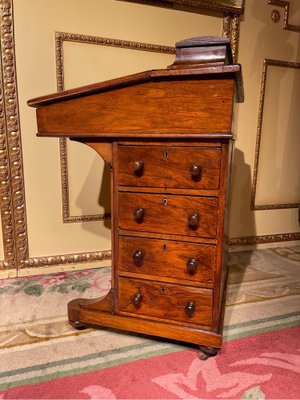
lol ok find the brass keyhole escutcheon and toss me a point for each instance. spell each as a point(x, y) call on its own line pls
point(163, 291)
point(165, 202)
point(166, 155)
point(164, 247)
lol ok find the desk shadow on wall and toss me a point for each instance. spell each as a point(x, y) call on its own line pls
point(104, 199)
point(242, 218)
point(241, 221)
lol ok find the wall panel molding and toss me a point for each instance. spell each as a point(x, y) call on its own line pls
point(254, 206)
point(252, 240)
point(286, 5)
point(234, 6)
point(68, 259)
point(13, 209)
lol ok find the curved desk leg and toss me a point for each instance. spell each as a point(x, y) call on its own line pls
point(78, 306)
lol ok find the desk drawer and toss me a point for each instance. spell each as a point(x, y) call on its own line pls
point(169, 167)
point(166, 301)
point(167, 258)
point(169, 214)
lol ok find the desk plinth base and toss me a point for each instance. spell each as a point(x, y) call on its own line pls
point(83, 313)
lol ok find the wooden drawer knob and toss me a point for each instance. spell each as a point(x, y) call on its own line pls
point(192, 265)
point(139, 215)
point(190, 308)
point(193, 220)
point(195, 170)
point(136, 300)
point(138, 167)
point(138, 256)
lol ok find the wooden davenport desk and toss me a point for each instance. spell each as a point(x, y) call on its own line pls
point(167, 136)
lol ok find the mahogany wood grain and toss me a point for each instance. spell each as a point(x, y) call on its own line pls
point(166, 301)
point(171, 142)
point(104, 149)
point(165, 166)
point(223, 234)
point(167, 190)
point(173, 236)
point(131, 323)
point(166, 135)
point(115, 230)
point(169, 279)
point(196, 106)
point(170, 218)
point(167, 258)
point(214, 72)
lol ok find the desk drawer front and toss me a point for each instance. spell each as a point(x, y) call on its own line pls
point(166, 301)
point(173, 167)
point(166, 258)
point(169, 214)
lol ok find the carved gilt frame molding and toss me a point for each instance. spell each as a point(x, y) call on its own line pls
point(12, 195)
point(232, 6)
point(266, 63)
point(253, 240)
point(286, 5)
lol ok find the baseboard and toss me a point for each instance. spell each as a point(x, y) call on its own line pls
point(11, 273)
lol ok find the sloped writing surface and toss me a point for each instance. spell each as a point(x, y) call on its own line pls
point(194, 106)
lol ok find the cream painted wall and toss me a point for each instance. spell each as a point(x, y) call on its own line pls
point(36, 22)
point(260, 38)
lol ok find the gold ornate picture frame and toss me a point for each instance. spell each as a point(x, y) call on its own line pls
point(254, 206)
point(232, 6)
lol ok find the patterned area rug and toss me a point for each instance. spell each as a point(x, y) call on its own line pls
point(42, 357)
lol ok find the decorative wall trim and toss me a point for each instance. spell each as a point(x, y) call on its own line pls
point(227, 25)
point(12, 194)
point(5, 187)
point(13, 210)
point(266, 63)
point(275, 16)
point(235, 36)
point(251, 240)
point(68, 259)
point(234, 6)
point(230, 10)
point(60, 38)
point(286, 5)
point(231, 29)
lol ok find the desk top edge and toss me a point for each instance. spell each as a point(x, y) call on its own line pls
point(215, 72)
